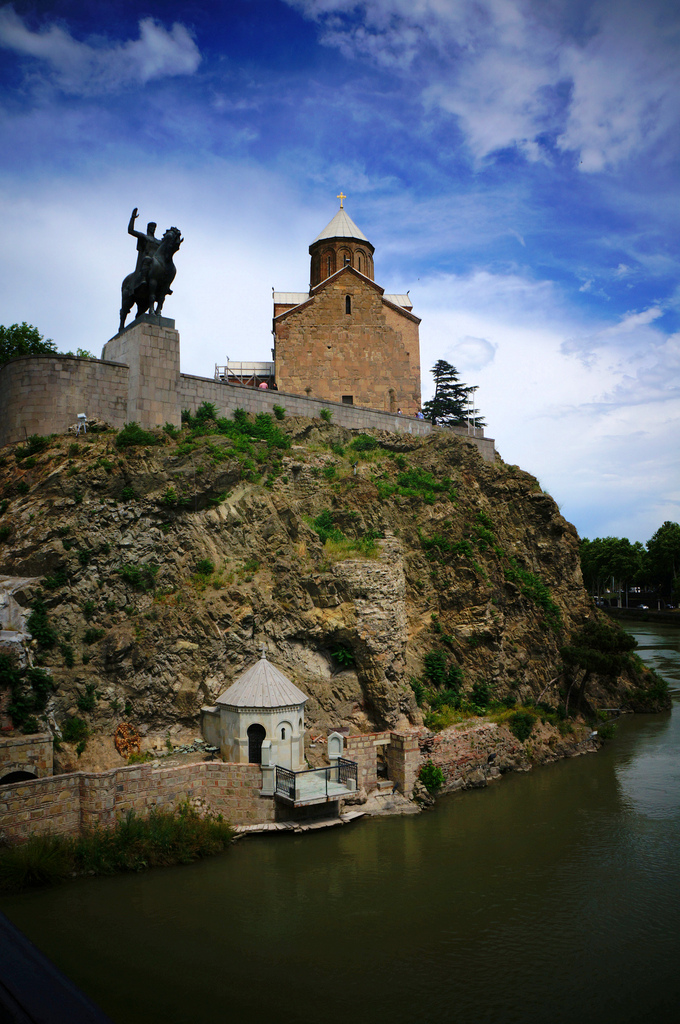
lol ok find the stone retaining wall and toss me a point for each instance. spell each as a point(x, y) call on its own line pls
point(66, 803)
point(44, 394)
point(26, 754)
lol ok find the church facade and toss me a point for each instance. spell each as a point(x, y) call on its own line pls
point(345, 340)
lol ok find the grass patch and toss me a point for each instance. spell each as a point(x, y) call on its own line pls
point(178, 836)
point(142, 577)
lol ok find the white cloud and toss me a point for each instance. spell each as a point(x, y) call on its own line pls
point(513, 73)
point(599, 432)
point(97, 67)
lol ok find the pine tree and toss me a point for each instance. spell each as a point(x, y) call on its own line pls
point(450, 400)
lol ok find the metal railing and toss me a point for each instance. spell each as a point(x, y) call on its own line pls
point(290, 784)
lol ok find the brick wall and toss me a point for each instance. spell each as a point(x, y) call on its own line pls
point(44, 394)
point(26, 753)
point(371, 353)
point(67, 803)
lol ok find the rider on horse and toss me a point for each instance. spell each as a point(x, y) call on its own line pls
point(146, 247)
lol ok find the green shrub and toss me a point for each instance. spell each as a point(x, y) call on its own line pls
point(84, 556)
point(4, 533)
point(34, 445)
point(57, 579)
point(30, 726)
point(23, 487)
point(171, 430)
point(92, 635)
point(431, 776)
point(204, 567)
point(86, 701)
point(418, 690)
point(326, 528)
point(75, 730)
point(128, 493)
point(481, 694)
point(326, 415)
point(337, 449)
point(88, 608)
point(343, 655)
point(142, 577)
point(279, 412)
point(38, 626)
point(67, 654)
point(41, 860)
point(177, 836)
point(169, 496)
point(535, 589)
point(364, 443)
point(329, 471)
point(521, 724)
point(132, 435)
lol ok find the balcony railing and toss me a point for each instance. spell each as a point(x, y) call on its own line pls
point(315, 785)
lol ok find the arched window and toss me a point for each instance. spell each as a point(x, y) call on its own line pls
point(328, 268)
point(348, 304)
point(283, 734)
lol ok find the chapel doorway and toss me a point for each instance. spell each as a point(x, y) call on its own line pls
point(256, 736)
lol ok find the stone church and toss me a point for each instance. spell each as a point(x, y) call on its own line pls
point(345, 340)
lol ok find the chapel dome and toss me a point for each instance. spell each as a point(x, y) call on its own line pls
point(262, 686)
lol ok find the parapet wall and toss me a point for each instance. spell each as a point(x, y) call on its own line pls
point(226, 398)
point(64, 804)
point(139, 380)
point(44, 394)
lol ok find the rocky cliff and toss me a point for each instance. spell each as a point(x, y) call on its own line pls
point(375, 567)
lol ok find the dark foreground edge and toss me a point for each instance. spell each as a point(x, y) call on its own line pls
point(33, 990)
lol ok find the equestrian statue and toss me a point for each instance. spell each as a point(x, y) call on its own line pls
point(150, 281)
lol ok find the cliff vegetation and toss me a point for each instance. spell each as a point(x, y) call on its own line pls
point(394, 579)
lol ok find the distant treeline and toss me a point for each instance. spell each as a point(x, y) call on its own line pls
point(654, 566)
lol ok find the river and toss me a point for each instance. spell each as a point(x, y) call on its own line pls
point(551, 896)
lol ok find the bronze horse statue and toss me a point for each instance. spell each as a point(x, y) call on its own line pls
point(149, 285)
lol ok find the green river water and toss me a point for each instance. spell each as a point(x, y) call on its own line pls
point(550, 896)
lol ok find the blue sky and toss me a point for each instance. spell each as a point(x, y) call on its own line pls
point(515, 164)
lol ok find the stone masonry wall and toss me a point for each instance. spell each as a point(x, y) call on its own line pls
point(403, 761)
point(193, 391)
point(362, 749)
point(150, 347)
point(66, 803)
point(26, 753)
point(371, 353)
point(44, 394)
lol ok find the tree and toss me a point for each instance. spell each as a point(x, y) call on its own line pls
point(23, 340)
point(450, 396)
point(662, 563)
point(607, 557)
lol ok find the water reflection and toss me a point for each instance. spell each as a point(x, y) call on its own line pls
point(650, 776)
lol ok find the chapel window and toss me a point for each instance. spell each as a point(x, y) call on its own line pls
point(283, 734)
point(348, 304)
point(328, 272)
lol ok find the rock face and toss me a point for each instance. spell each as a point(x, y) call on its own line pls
point(164, 568)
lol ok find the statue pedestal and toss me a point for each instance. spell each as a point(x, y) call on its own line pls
point(150, 348)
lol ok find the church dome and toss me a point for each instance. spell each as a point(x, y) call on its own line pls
point(340, 244)
point(262, 686)
point(342, 226)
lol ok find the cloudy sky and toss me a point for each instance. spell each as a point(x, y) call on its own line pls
point(514, 162)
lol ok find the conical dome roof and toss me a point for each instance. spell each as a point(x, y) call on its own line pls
point(341, 226)
point(262, 686)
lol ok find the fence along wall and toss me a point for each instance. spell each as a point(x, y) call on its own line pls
point(64, 804)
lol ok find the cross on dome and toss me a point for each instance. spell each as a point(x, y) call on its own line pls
point(341, 197)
